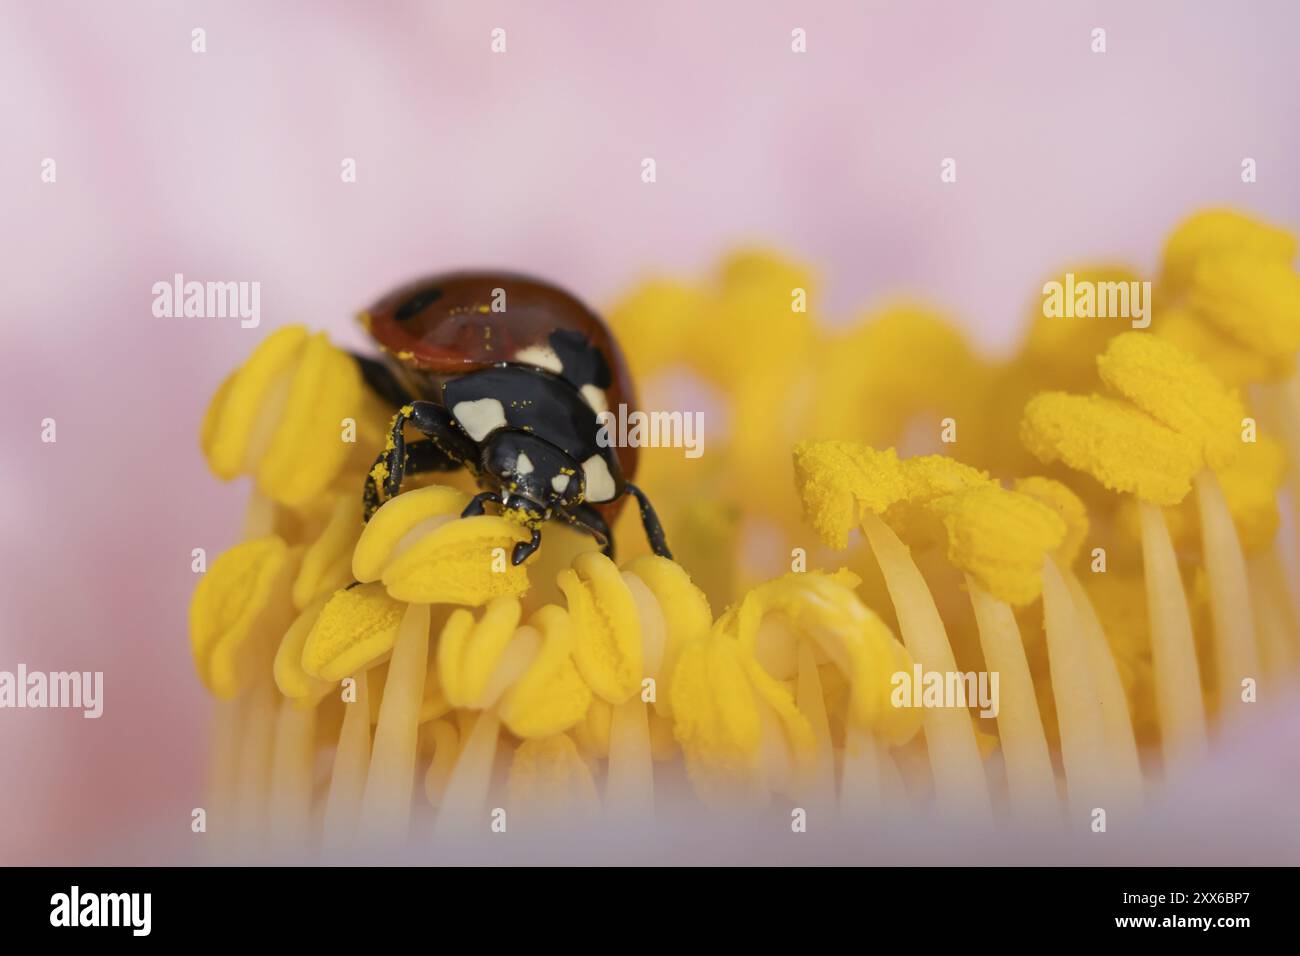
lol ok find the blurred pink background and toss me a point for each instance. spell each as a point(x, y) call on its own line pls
point(226, 166)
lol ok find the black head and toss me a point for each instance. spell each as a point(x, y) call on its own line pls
point(534, 476)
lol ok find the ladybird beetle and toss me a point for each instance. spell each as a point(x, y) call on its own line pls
point(505, 375)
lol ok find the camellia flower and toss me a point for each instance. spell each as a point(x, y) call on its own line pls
point(1097, 530)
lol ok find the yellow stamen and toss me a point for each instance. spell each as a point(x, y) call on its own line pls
point(469, 651)
point(466, 561)
point(307, 448)
point(999, 538)
point(841, 483)
point(446, 748)
point(239, 611)
point(1031, 781)
point(1254, 300)
point(239, 408)
point(254, 780)
point(1124, 778)
point(1236, 655)
point(356, 627)
point(1123, 448)
point(551, 696)
point(327, 562)
point(292, 763)
point(348, 775)
point(550, 781)
point(717, 721)
point(686, 615)
point(464, 801)
point(1176, 390)
point(1185, 395)
point(1214, 231)
point(294, 682)
point(1068, 506)
point(399, 523)
point(1078, 711)
point(386, 804)
point(607, 628)
point(1173, 653)
point(960, 785)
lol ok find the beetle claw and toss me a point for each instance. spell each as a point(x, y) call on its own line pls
point(524, 549)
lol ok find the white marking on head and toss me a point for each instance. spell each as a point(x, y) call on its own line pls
point(543, 356)
point(595, 397)
point(600, 483)
point(560, 483)
point(523, 464)
point(480, 418)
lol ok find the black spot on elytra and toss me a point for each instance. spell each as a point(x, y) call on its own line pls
point(583, 363)
point(417, 303)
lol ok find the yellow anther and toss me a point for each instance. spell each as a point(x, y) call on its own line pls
point(1123, 448)
point(469, 650)
point(823, 608)
point(236, 427)
point(1000, 538)
point(551, 696)
point(294, 682)
point(606, 626)
point(686, 615)
point(840, 482)
point(1216, 231)
point(1175, 389)
point(928, 478)
point(327, 562)
point(1232, 363)
point(1254, 300)
point(466, 561)
point(549, 773)
point(239, 612)
point(717, 718)
point(356, 627)
point(307, 448)
point(1067, 505)
point(401, 521)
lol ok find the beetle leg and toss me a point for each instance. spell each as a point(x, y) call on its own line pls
point(381, 380)
point(420, 457)
point(436, 424)
point(588, 519)
point(654, 531)
point(524, 549)
point(475, 507)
